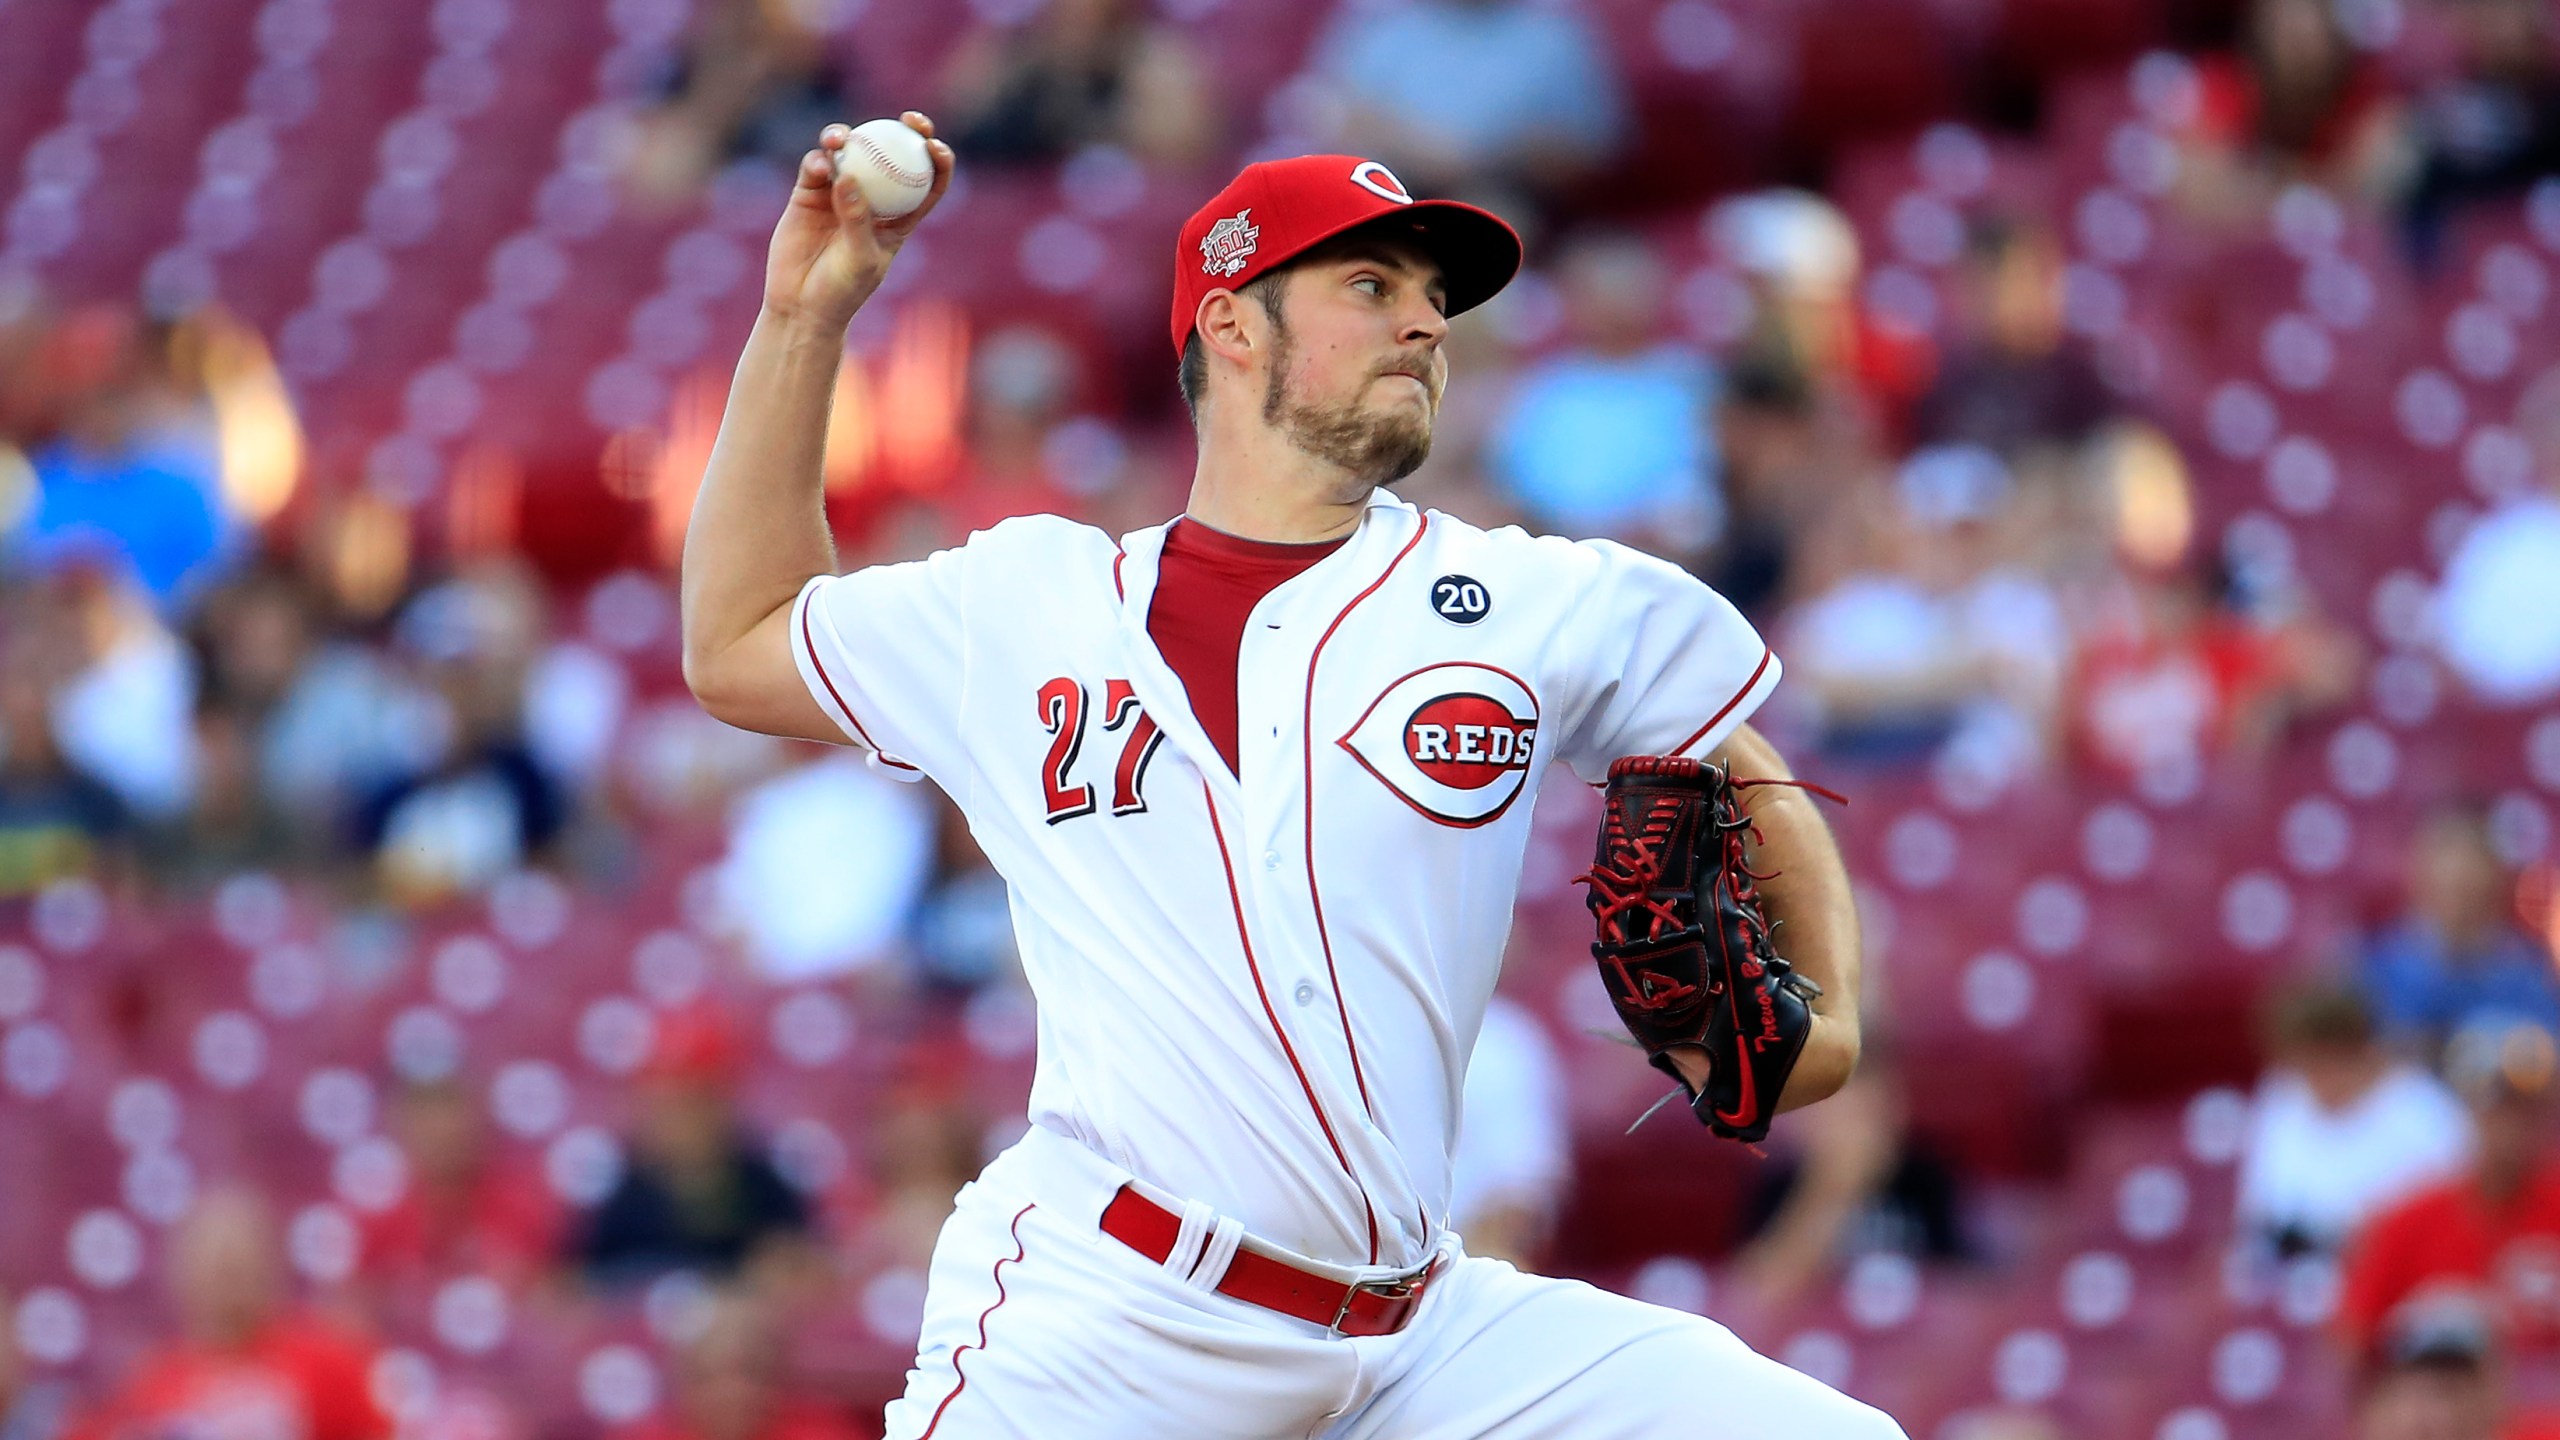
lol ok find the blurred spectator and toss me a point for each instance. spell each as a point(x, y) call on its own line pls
point(1079, 73)
point(2436, 1379)
point(699, 1191)
point(1473, 94)
point(1776, 478)
point(2160, 688)
point(1611, 435)
point(1800, 263)
point(30, 1409)
point(481, 805)
point(964, 921)
point(2490, 1236)
point(231, 827)
point(55, 820)
point(465, 1210)
point(1513, 1161)
point(2507, 565)
point(757, 80)
point(1883, 663)
point(1932, 641)
point(2341, 1126)
point(576, 697)
point(249, 1363)
point(1799, 258)
point(1023, 382)
point(327, 719)
point(130, 475)
point(926, 1142)
point(1851, 1180)
point(2009, 382)
point(124, 713)
point(2494, 128)
point(2185, 659)
point(2296, 103)
point(827, 862)
point(729, 1385)
point(2455, 955)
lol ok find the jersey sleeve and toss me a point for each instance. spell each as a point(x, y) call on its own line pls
point(884, 652)
point(1657, 663)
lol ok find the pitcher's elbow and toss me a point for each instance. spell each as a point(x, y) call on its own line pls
point(712, 688)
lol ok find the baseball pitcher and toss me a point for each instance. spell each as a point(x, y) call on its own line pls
point(1259, 779)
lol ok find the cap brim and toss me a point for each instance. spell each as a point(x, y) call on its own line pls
point(1477, 251)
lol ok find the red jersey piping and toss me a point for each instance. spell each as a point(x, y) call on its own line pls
point(1236, 898)
point(1718, 718)
point(809, 642)
point(997, 1274)
point(1315, 898)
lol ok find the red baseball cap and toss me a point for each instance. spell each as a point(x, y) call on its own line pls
point(1276, 210)
point(696, 1045)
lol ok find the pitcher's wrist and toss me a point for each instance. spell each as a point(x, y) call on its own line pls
point(799, 324)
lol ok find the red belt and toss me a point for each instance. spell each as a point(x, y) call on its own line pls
point(1373, 1308)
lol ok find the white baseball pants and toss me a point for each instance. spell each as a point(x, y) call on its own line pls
point(1040, 1327)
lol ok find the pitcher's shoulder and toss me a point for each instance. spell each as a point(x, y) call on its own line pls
point(1042, 534)
point(1040, 550)
point(1521, 554)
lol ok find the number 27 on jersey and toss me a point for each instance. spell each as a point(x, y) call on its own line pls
point(1064, 707)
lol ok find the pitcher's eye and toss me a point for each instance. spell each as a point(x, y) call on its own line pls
point(1376, 286)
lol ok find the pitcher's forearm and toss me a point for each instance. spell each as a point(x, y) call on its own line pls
point(759, 528)
point(1816, 917)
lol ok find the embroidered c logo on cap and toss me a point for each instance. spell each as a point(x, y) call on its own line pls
point(1380, 181)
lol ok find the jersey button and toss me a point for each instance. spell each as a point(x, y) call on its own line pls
point(1305, 994)
point(1270, 859)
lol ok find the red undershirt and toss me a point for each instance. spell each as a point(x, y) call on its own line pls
point(1206, 587)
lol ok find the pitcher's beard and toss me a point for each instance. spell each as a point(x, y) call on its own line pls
point(1376, 448)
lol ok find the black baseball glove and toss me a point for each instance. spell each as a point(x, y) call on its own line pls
point(1684, 947)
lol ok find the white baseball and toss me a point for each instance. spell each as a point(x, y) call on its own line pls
point(889, 161)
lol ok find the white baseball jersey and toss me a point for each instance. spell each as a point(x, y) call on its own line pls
point(1259, 991)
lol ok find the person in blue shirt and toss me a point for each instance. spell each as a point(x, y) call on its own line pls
point(1613, 435)
point(2455, 954)
point(1460, 94)
point(146, 505)
point(131, 477)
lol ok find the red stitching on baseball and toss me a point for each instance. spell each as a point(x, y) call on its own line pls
point(897, 172)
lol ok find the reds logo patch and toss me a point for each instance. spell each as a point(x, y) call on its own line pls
point(1224, 249)
point(1452, 740)
point(1380, 181)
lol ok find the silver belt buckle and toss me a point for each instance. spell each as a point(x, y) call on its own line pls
point(1383, 1289)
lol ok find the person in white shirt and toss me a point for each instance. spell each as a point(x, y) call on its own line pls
point(1259, 780)
point(2341, 1127)
point(1514, 1160)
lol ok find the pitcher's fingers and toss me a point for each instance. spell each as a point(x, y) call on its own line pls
point(851, 208)
point(918, 121)
point(809, 185)
point(942, 165)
